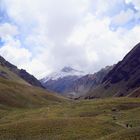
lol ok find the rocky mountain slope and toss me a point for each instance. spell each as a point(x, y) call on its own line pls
point(62, 80)
point(83, 85)
point(73, 83)
point(123, 79)
point(11, 72)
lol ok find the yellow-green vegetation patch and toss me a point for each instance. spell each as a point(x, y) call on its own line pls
point(12, 76)
point(14, 94)
point(102, 119)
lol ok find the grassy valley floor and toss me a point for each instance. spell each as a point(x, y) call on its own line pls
point(102, 119)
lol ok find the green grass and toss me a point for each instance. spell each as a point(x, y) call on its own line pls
point(19, 95)
point(31, 113)
point(12, 76)
point(102, 119)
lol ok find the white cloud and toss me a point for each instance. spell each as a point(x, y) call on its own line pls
point(136, 3)
point(105, 7)
point(13, 52)
point(22, 57)
point(55, 33)
point(123, 17)
point(102, 46)
point(7, 30)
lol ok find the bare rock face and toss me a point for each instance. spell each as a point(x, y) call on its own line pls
point(123, 79)
point(127, 70)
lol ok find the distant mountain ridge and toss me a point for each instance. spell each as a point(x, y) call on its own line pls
point(65, 72)
point(62, 80)
point(122, 79)
point(73, 83)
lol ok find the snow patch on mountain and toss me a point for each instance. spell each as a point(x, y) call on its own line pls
point(65, 72)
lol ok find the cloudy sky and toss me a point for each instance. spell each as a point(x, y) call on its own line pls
point(42, 36)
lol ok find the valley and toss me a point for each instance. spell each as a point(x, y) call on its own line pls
point(69, 70)
point(108, 110)
point(102, 119)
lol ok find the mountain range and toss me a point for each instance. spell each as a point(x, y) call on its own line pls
point(28, 111)
point(61, 81)
point(73, 83)
point(122, 79)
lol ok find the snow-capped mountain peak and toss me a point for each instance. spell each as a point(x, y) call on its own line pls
point(67, 69)
point(65, 72)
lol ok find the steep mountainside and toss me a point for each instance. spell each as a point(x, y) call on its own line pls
point(16, 89)
point(83, 85)
point(123, 78)
point(15, 94)
point(11, 72)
